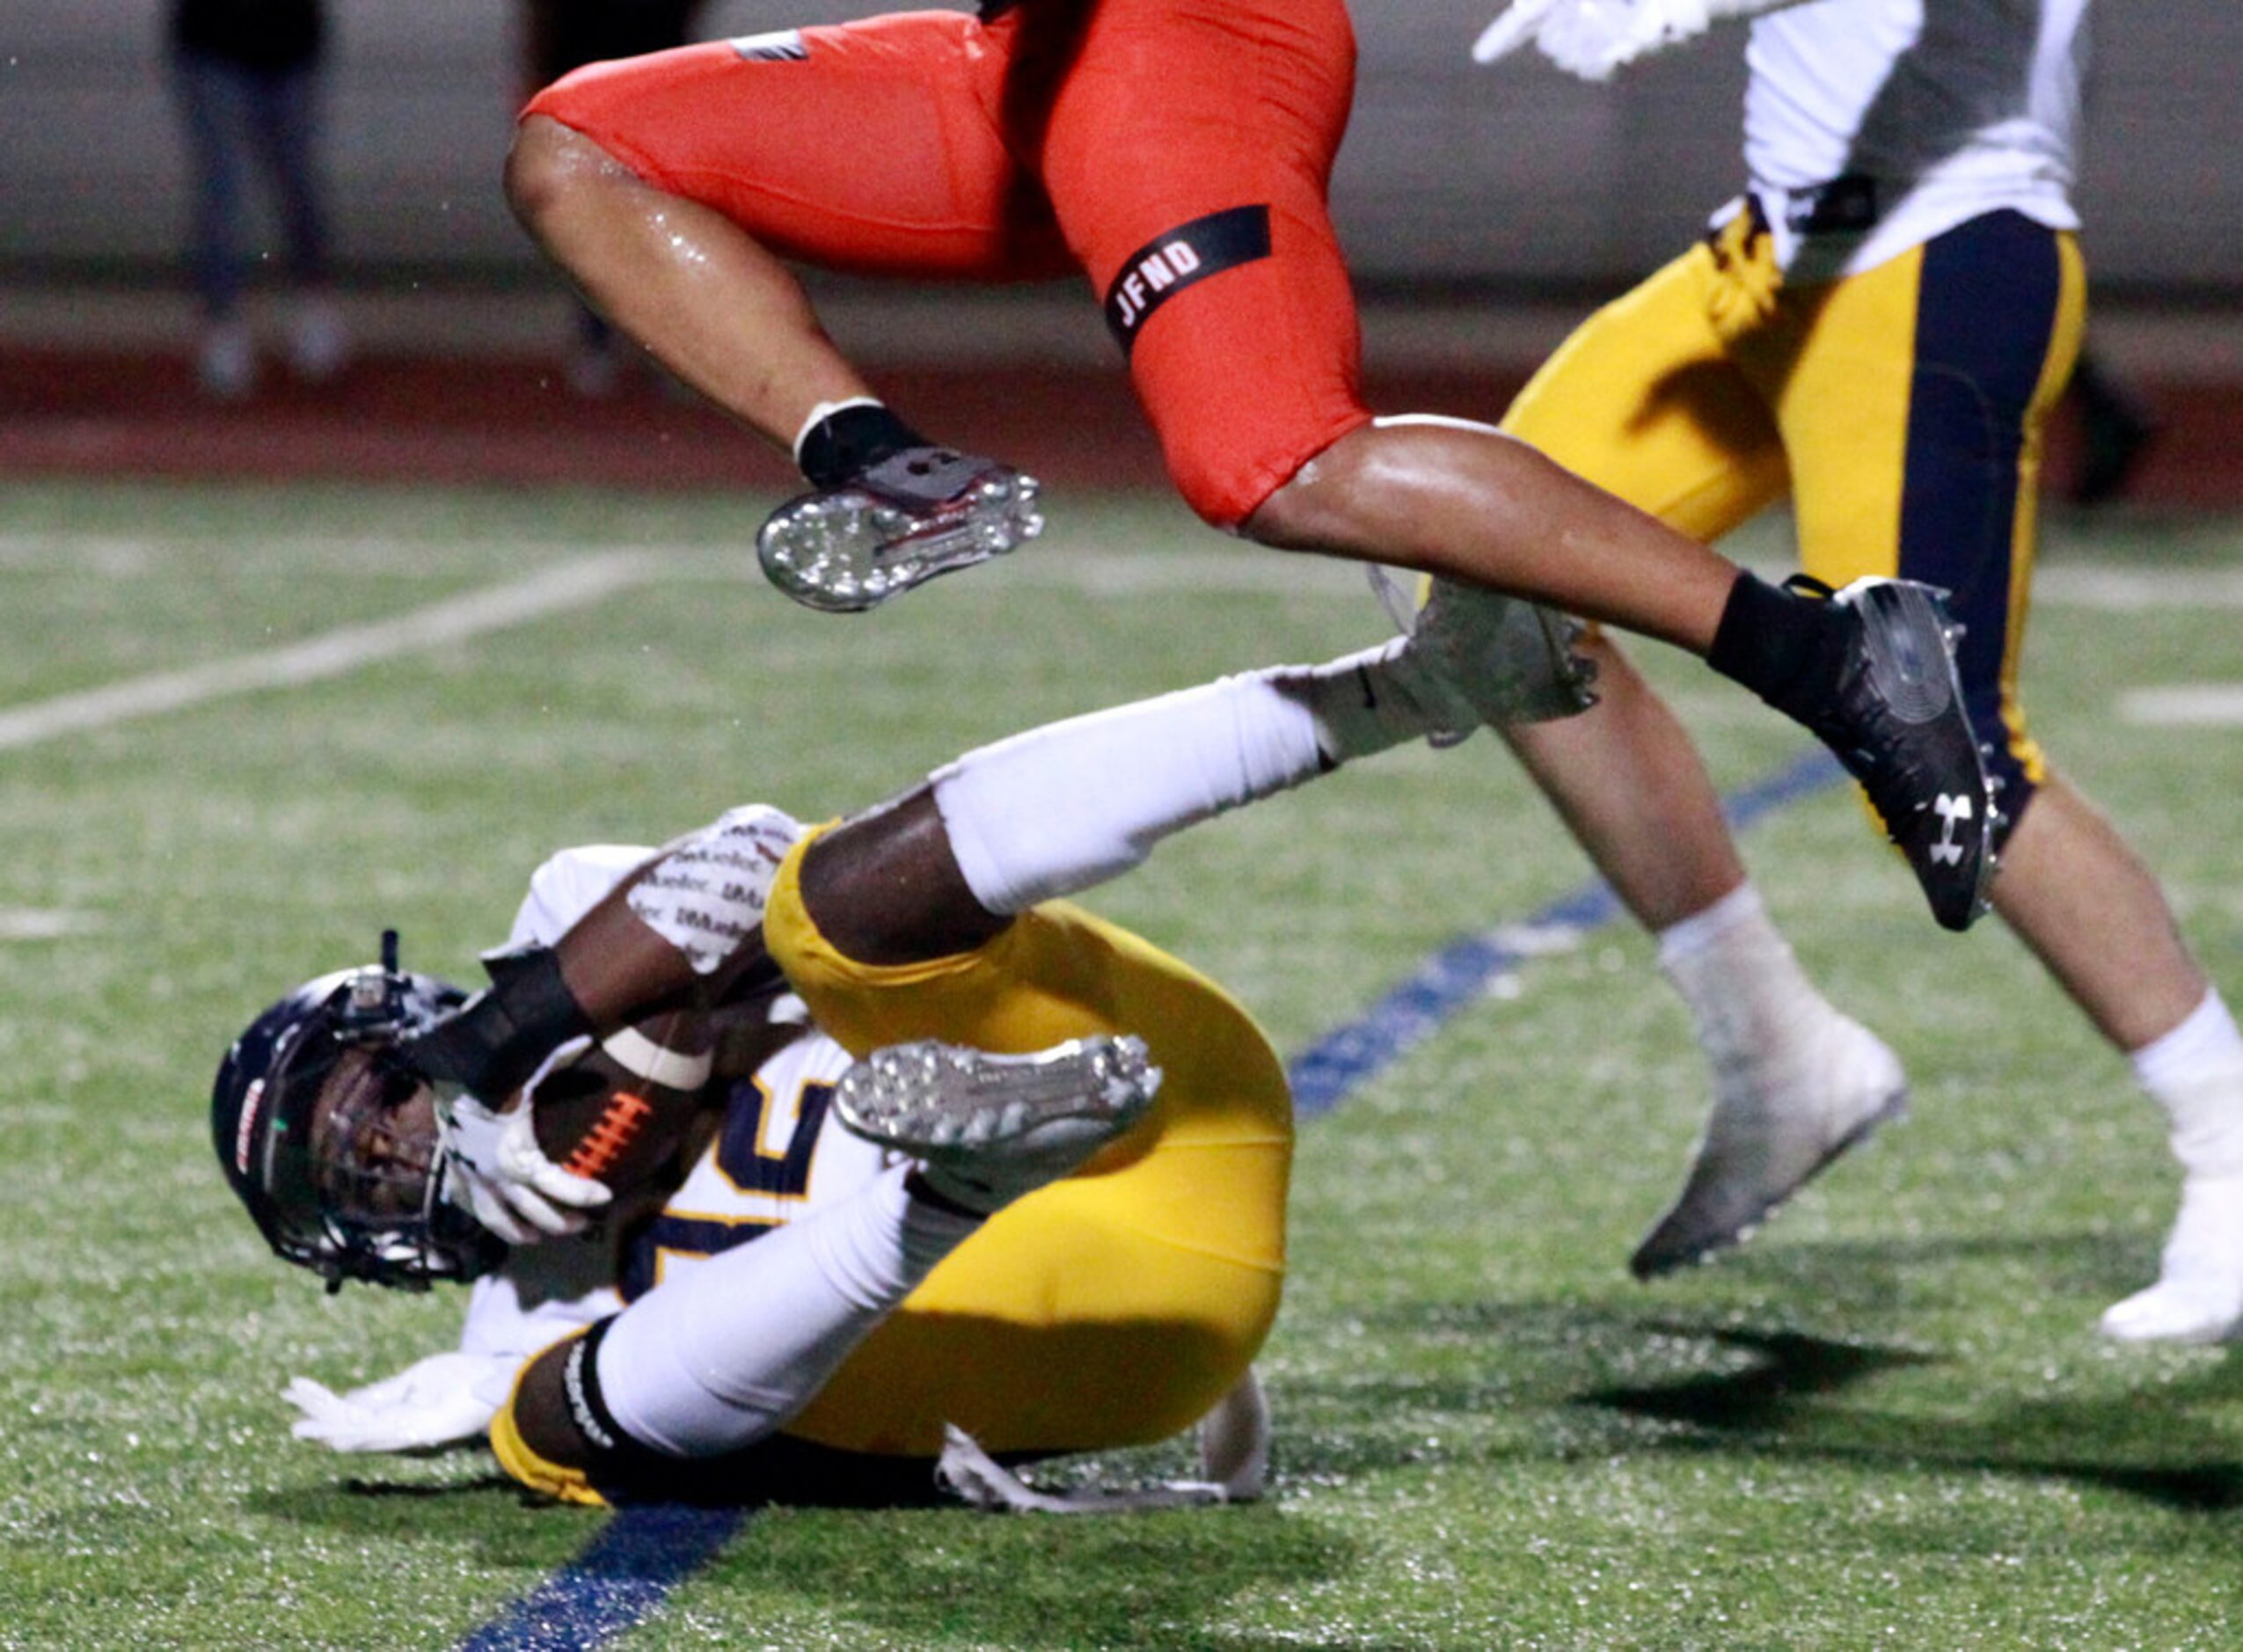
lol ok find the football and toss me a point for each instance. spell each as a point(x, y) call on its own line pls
point(622, 1113)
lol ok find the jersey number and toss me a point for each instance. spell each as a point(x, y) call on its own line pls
point(746, 1156)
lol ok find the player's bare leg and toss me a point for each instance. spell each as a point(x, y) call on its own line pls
point(2078, 896)
point(890, 509)
point(1869, 670)
point(1630, 786)
point(695, 289)
point(1795, 1083)
point(886, 889)
point(1468, 503)
point(2082, 900)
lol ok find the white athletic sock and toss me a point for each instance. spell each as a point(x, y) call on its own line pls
point(1060, 809)
point(1736, 973)
point(1740, 909)
point(719, 1356)
point(2195, 1072)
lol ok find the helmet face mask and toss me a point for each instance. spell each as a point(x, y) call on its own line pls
point(333, 1147)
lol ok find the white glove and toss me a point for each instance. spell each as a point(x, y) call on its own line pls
point(1592, 37)
point(442, 1399)
point(496, 1172)
point(1521, 23)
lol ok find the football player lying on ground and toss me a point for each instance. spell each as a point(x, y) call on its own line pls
point(963, 1211)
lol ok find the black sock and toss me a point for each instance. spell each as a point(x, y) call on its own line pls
point(843, 443)
point(1781, 645)
point(915, 1184)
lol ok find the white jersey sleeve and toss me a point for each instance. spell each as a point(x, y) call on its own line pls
point(1871, 126)
point(1592, 37)
point(569, 884)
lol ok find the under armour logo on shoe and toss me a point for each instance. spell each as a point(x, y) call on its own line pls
point(1950, 809)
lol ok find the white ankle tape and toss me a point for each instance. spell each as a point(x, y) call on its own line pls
point(1366, 702)
point(1702, 929)
point(2194, 1074)
point(2206, 1042)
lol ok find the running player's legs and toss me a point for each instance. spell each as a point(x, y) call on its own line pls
point(1188, 167)
point(1912, 408)
point(1642, 401)
point(863, 148)
point(1151, 1277)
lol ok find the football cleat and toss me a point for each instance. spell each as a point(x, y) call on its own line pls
point(2199, 1294)
point(1896, 718)
point(987, 1129)
point(895, 524)
point(1778, 1119)
point(1499, 659)
point(1513, 660)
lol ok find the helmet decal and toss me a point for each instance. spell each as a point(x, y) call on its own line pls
point(252, 1107)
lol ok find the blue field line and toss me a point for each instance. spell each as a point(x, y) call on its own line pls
point(1347, 1057)
point(621, 1575)
point(644, 1553)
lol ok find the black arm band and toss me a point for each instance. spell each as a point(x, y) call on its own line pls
point(615, 1455)
point(491, 1046)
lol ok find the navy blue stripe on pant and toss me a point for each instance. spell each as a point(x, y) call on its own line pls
point(1986, 317)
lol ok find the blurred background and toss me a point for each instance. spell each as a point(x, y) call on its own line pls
point(1483, 211)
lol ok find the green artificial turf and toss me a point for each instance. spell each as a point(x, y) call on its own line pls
point(1888, 1423)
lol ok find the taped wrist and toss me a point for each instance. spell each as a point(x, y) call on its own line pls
point(491, 1046)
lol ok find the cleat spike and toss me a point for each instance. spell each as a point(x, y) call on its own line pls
point(894, 525)
point(988, 1128)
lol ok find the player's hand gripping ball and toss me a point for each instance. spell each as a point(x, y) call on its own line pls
point(620, 1113)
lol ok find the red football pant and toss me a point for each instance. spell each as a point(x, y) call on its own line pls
point(1176, 151)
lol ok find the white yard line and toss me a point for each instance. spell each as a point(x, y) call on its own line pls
point(2110, 588)
point(549, 591)
point(33, 923)
point(2184, 706)
point(579, 575)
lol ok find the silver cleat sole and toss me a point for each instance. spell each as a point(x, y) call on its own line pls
point(851, 549)
point(947, 1105)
